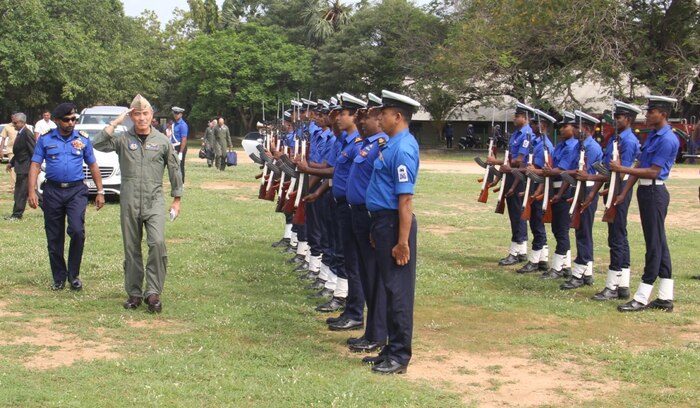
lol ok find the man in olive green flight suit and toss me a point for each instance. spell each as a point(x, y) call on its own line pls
point(210, 142)
point(223, 140)
point(144, 153)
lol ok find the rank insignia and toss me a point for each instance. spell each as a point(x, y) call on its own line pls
point(133, 146)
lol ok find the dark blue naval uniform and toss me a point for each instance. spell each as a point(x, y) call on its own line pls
point(315, 229)
point(584, 234)
point(65, 195)
point(325, 210)
point(539, 233)
point(372, 284)
point(617, 230)
point(564, 157)
point(395, 173)
point(660, 149)
point(518, 227)
point(346, 258)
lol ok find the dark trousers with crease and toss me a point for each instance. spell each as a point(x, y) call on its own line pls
point(399, 283)
point(584, 233)
point(617, 235)
point(518, 227)
point(355, 302)
point(653, 207)
point(60, 204)
point(21, 190)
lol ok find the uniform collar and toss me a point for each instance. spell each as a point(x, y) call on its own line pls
point(349, 138)
point(376, 136)
point(665, 129)
point(398, 137)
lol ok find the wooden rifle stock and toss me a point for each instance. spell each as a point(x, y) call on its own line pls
point(484, 195)
point(501, 204)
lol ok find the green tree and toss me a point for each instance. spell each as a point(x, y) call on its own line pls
point(231, 72)
point(323, 18)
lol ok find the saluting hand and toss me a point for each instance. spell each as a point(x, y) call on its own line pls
point(120, 119)
point(401, 253)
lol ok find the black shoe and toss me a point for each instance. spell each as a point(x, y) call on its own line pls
point(695, 277)
point(312, 276)
point(281, 243)
point(317, 285)
point(303, 267)
point(509, 260)
point(575, 282)
point(333, 305)
point(346, 324)
point(355, 340)
point(566, 272)
point(154, 305)
point(631, 306)
point(543, 266)
point(290, 250)
point(389, 366)
point(76, 284)
point(323, 293)
point(373, 360)
point(133, 302)
point(529, 267)
point(365, 347)
point(12, 218)
point(665, 305)
point(334, 319)
point(58, 285)
point(297, 259)
point(606, 294)
point(553, 274)
point(522, 257)
point(623, 293)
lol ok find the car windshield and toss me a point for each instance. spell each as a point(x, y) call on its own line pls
point(103, 119)
point(91, 132)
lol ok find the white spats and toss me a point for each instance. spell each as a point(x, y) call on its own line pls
point(315, 265)
point(612, 280)
point(558, 261)
point(589, 269)
point(544, 254)
point(624, 278)
point(287, 231)
point(331, 278)
point(521, 248)
point(535, 256)
point(643, 293)
point(666, 289)
point(578, 270)
point(341, 288)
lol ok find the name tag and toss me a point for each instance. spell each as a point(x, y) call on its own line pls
point(151, 146)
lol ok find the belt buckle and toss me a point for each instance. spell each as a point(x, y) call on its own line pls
point(65, 185)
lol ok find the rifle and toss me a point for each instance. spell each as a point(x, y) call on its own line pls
point(615, 182)
point(302, 189)
point(546, 207)
point(527, 198)
point(290, 198)
point(501, 204)
point(266, 169)
point(489, 180)
point(575, 209)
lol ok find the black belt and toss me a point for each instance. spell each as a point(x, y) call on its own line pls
point(340, 200)
point(383, 213)
point(64, 185)
point(359, 207)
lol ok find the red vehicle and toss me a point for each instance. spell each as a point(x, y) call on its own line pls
point(681, 128)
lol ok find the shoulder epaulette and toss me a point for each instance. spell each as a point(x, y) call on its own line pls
point(83, 134)
point(358, 139)
point(46, 131)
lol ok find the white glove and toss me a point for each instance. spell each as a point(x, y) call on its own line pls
point(179, 156)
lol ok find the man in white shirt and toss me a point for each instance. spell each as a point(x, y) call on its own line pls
point(44, 124)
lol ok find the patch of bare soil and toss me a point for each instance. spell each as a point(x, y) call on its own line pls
point(161, 326)
point(6, 313)
point(498, 380)
point(57, 348)
point(447, 166)
point(441, 230)
point(228, 185)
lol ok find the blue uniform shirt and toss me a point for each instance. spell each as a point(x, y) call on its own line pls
point(395, 172)
point(594, 153)
point(516, 140)
point(333, 147)
point(538, 158)
point(565, 155)
point(660, 149)
point(362, 166)
point(525, 145)
point(628, 148)
point(343, 162)
point(179, 131)
point(289, 140)
point(64, 157)
point(317, 143)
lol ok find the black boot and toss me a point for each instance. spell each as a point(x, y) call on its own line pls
point(665, 305)
point(529, 267)
point(631, 306)
point(281, 242)
point(543, 266)
point(623, 293)
point(575, 282)
point(553, 274)
point(606, 294)
point(510, 260)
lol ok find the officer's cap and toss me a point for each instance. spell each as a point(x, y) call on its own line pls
point(522, 109)
point(350, 102)
point(308, 102)
point(568, 118)
point(139, 103)
point(63, 109)
point(396, 100)
point(541, 115)
point(663, 103)
point(296, 104)
point(626, 109)
point(175, 109)
point(288, 114)
point(582, 117)
point(373, 100)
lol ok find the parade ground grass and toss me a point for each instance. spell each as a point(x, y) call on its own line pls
point(238, 330)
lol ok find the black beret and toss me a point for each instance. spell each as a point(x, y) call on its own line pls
point(66, 108)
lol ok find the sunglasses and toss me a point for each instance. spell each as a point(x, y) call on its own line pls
point(71, 119)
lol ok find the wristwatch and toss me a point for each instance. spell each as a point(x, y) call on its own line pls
point(101, 192)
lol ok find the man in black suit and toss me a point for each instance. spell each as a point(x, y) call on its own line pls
point(23, 149)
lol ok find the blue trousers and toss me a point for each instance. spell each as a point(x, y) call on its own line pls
point(355, 302)
point(617, 236)
point(653, 207)
point(372, 284)
point(539, 233)
point(560, 224)
point(399, 283)
point(584, 234)
point(514, 203)
point(59, 204)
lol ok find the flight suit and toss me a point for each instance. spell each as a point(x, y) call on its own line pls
point(210, 142)
point(223, 141)
point(143, 163)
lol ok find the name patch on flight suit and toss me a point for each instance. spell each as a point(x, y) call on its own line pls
point(403, 174)
point(133, 146)
point(151, 146)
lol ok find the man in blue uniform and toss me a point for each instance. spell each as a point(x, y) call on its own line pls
point(518, 242)
point(179, 138)
point(65, 194)
point(582, 271)
point(375, 334)
point(655, 163)
point(564, 158)
point(389, 200)
point(539, 255)
point(618, 280)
